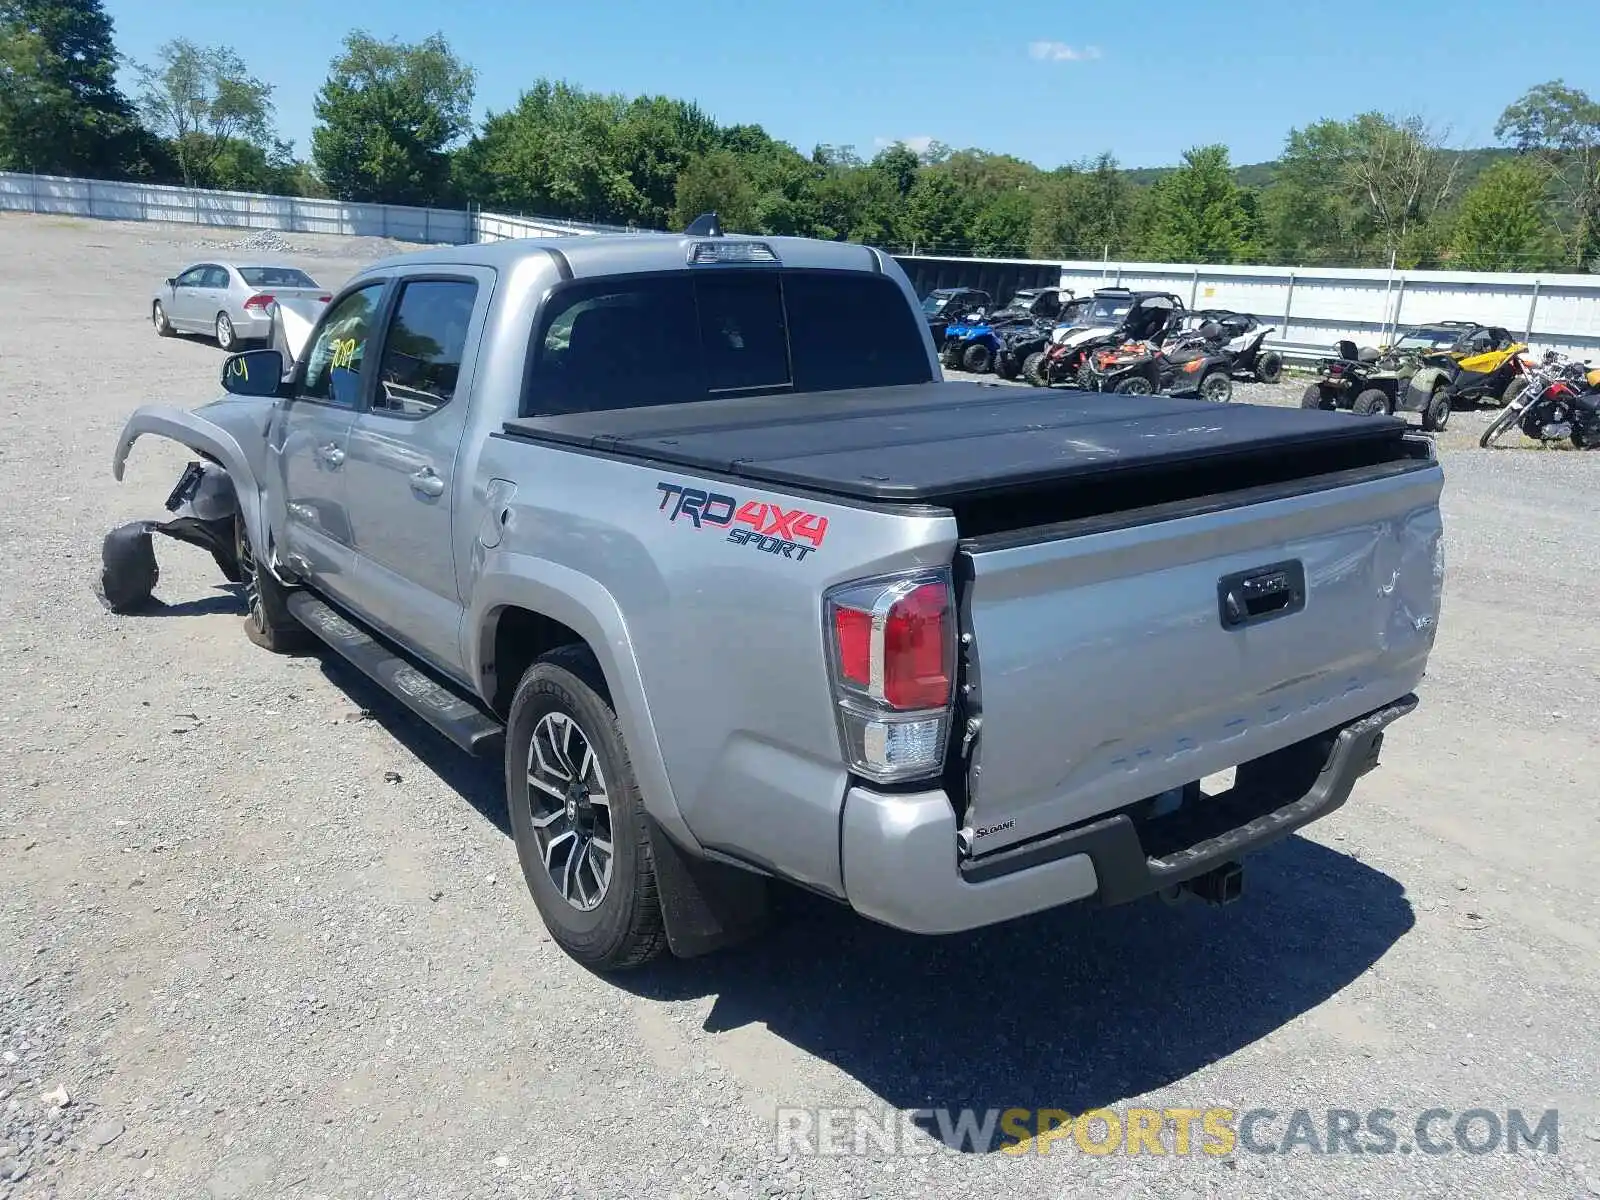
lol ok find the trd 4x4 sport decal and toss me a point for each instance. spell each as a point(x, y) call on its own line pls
point(767, 526)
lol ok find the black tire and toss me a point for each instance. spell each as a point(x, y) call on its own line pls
point(623, 929)
point(1005, 366)
point(1033, 369)
point(1269, 366)
point(1217, 387)
point(267, 621)
point(158, 318)
point(226, 336)
point(1084, 379)
point(1437, 413)
point(1370, 403)
point(1518, 385)
point(1312, 397)
point(1504, 421)
point(1134, 385)
point(975, 359)
point(950, 357)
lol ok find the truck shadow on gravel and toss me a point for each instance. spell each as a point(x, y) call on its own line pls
point(1074, 1009)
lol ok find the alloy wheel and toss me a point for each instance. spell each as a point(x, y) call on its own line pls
point(570, 810)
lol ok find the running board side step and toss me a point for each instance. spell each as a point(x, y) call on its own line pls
point(463, 722)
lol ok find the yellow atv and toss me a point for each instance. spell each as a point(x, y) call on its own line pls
point(1462, 361)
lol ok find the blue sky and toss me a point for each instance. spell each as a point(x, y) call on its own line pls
point(1049, 82)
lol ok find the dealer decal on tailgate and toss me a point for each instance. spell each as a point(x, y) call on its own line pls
point(791, 532)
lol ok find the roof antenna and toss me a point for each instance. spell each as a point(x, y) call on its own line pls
point(705, 225)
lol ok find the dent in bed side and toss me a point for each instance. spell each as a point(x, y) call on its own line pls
point(506, 581)
point(209, 437)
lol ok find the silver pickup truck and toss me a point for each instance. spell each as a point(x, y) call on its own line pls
point(690, 529)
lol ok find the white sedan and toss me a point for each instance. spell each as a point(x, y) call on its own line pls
point(232, 303)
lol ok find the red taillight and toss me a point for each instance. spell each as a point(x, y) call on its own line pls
point(914, 640)
point(324, 299)
point(258, 302)
point(892, 646)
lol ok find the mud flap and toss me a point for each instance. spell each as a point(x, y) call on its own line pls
point(705, 906)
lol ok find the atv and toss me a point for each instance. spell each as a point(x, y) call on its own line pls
point(1113, 316)
point(1246, 341)
point(1481, 363)
point(1193, 362)
point(976, 346)
point(943, 305)
point(1369, 382)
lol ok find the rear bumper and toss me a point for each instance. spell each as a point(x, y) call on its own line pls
point(252, 326)
point(901, 866)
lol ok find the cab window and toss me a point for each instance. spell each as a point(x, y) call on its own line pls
point(333, 364)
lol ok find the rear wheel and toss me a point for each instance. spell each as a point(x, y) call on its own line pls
point(1518, 385)
point(1217, 387)
point(1005, 365)
point(1370, 403)
point(1437, 414)
point(975, 358)
point(1085, 378)
point(1033, 369)
point(577, 817)
point(1269, 366)
point(1136, 385)
point(1312, 397)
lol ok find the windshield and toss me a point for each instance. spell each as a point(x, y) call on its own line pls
point(276, 277)
point(934, 303)
point(1427, 339)
point(1105, 310)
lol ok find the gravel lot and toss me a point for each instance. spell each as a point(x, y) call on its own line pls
point(260, 935)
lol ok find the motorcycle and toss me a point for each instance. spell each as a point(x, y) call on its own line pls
point(1561, 402)
point(1191, 362)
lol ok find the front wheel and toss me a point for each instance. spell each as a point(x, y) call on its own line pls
point(1033, 369)
point(1269, 367)
point(1005, 366)
point(577, 817)
point(1136, 385)
point(1085, 378)
point(267, 622)
point(975, 358)
point(1505, 420)
point(158, 318)
point(1217, 387)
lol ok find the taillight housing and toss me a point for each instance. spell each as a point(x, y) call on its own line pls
point(892, 659)
point(260, 302)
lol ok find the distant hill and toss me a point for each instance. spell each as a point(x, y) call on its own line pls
point(1471, 164)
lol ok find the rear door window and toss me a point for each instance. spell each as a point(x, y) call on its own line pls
point(423, 347)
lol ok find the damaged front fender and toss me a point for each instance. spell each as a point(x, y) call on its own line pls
point(231, 433)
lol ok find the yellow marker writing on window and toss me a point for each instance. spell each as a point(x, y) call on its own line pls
point(344, 353)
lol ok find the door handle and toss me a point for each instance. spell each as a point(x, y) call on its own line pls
point(427, 483)
point(332, 454)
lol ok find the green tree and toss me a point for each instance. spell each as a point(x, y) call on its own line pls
point(1502, 223)
point(203, 101)
point(389, 113)
point(1198, 213)
point(1000, 228)
point(899, 163)
point(715, 182)
point(1562, 126)
point(1084, 211)
point(60, 109)
point(937, 215)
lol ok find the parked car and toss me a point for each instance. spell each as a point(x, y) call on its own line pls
point(1245, 341)
point(229, 301)
point(558, 497)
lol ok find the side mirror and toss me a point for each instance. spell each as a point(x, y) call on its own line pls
point(253, 373)
point(172, 283)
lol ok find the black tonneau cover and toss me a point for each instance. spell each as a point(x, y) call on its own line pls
point(941, 442)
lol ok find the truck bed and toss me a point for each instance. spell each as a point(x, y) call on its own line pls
point(951, 444)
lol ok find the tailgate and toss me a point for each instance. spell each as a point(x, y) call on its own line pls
point(1116, 657)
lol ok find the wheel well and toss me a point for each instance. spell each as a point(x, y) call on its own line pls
point(520, 637)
